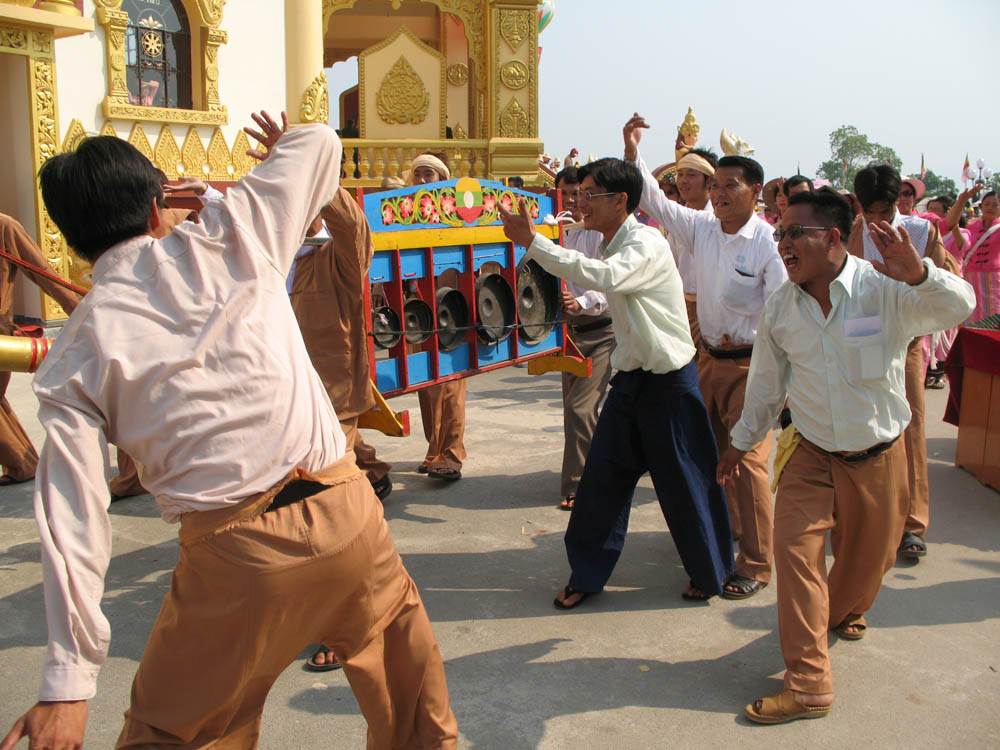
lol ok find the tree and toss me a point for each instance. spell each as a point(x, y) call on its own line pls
point(939, 185)
point(851, 151)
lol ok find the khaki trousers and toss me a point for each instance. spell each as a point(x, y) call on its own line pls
point(581, 403)
point(127, 483)
point(723, 385)
point(364, 454)
point(691, 302)
point(17, 455)
point(863, 506)
point(243, 603)
point(915, 441)
point(442, 410)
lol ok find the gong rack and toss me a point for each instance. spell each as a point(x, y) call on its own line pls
point(441, 279)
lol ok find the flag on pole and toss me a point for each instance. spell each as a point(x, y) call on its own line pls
point(966, 169)
point(923, 167)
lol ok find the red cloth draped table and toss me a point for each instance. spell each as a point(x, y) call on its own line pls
point(973, 368)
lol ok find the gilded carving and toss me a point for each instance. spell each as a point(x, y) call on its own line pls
point(211, 11)
point(13, 38)
point(193, 155)
point(514, 121)
point(45, 108)
point(514, 74)
point(109, 129)
point(166, 155)
point(118, 111)
point(109, 4)
point(402, 98)
point(219, 158)
point(138, 139)
point(74, 135)
point(41, 41)
point(458, 74)
point(315, 106)
point(242, 164)
point(459, 132)
point(515, 27)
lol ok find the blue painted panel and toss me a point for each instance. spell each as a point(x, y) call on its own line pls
point(454, 361)
point(491, 354)
point(449, 257)
point(412, 263)
point(381, 267)
point(490, 252)
point(551, 341)
point(419, 367)
point(387, 375)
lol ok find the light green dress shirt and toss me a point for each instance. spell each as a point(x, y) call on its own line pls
point(644, 290)
point(843, 374)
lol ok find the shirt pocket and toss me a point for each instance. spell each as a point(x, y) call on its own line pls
point(743, 294)
point(865, 357)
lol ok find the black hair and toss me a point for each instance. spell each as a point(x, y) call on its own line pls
point(828, 208)
point(101, 194)
point(516, 181)
point(877, 183)
point(796, 180)
point(615, 176)
point(568, 174)
point(947, 201)
point(706, 154)
point(990, 194)
point(753, 172)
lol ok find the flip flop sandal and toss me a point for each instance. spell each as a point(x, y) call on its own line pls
point(7, 479)
point(423, 469)
point(382, 488)
point(782, 707)
point(746, 587)
point(567, 592)
point(701, 596)
point(567, 502)
point(912, 540)
point(852, 621)
point(328, 666)
point(450, 475)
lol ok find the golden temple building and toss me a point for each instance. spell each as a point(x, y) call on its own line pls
point(179, 78)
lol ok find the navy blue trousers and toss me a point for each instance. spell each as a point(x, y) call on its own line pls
point(659, 424)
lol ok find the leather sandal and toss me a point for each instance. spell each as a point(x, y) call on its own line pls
point(567, 592)
point(782, 707)
point(912, 540)
point(327, 666)
point(745, 587)
point(567, 502)
point(857, 622)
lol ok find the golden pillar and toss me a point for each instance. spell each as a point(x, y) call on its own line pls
point(306, 98)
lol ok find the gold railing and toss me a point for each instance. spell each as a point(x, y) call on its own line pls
point(368, 160)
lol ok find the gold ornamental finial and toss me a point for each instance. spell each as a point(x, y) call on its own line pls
point(690, 128)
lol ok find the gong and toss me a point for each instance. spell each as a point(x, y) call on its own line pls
point(418, 320)
point(494, 308)
point(385, 327)
point(537, 301)
point(452, 318)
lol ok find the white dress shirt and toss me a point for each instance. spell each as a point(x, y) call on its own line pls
point(186, 354)
point(588, 242)
point(735, 273)
point(843, 374)
point(637, 273)
point(918, 229)
point(684, 257)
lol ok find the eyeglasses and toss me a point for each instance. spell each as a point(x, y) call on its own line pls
point(590, 196)
point(793, 232)
point(908, 194)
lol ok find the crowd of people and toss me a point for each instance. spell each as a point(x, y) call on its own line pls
point(704, 332)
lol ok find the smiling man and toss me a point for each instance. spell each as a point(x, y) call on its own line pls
point(737, 267)
point(833, 341)
point(654, 418)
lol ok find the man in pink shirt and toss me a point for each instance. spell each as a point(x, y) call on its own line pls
point(186, 353)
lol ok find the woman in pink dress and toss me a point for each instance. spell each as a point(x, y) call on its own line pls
point(981, 265)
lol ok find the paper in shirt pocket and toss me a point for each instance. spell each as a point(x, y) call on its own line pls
point(867, 326)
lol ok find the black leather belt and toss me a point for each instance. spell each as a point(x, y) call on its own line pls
point(867, 453)
point(297, 489)
point(599, 323)
point(740, 353)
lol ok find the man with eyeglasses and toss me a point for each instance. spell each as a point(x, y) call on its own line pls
point(737, 267)
point(833, 341)
point(589, 321)
point(878, 188)
point(654, 418)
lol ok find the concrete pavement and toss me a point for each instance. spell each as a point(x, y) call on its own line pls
point(636, 667)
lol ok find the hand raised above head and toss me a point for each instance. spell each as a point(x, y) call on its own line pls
point(269, 135)
point(632, 134)
point(197, 186)
point(518, 227)
point(900, 260)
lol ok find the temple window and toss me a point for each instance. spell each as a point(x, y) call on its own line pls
point(158, 53)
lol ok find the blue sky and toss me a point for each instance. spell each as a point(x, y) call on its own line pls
point(917, 76)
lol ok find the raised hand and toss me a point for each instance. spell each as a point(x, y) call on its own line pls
point(632, 134)
point(518, 227)
point(900, 260)
point(186, 183)
point(270, 135)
